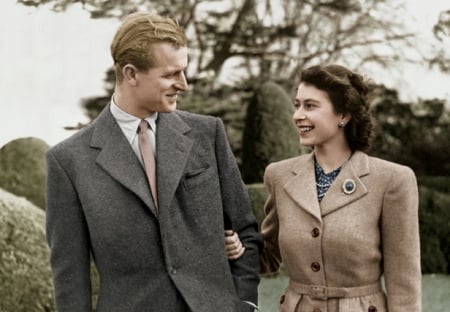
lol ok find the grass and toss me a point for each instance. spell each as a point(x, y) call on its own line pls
point(435, 292)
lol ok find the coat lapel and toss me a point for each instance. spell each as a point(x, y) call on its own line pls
point(118, 159)
point(335, 198)
point(302, 186)
point(172, 152)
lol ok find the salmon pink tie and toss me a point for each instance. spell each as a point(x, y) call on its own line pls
point(149, 159)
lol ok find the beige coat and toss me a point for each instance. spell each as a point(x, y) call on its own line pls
point(336, 252)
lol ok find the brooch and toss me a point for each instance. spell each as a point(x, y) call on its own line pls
point(348, 186)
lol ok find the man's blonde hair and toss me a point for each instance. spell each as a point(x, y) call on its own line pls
point(133, 40)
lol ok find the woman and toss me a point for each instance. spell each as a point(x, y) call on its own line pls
point(337, 218)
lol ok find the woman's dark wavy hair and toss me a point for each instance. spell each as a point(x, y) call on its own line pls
point(349, 93)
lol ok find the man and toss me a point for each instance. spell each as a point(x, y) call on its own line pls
point(154, 252)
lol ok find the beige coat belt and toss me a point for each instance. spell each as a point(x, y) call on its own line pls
point(324, 292)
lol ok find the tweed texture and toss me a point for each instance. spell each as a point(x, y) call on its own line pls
point(352, 239)
point(99, 204)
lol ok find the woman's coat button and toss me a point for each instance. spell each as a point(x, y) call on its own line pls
point(315, 266)
point(315, 232)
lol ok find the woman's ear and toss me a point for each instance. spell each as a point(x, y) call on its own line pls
point(346, 118)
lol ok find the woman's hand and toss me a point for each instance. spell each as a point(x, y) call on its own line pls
point(233, 245)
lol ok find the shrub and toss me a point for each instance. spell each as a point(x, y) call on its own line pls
point(434, 221)
point(25, 276)
point(269, 134)
point(258, 196)
point(23, 169)
point(438, 183)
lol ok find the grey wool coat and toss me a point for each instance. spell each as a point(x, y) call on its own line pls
point(99, 203)
point(335, 252)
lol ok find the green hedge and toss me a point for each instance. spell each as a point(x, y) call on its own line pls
point(269, 134)
point(434, 220)
point(25, 278)
point(437, 183)
point(258, 195)
point(23, 169)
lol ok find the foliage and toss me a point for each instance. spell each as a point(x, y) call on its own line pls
point(23, 169)
point(25, 276)
point(414, 134)
point(269, 134)
point(270, 37)
point(441, 31)
point(438, 183)
point(94, 105)
point(258, 196)
point(434, 220)
point(227, 103)
point(241, 43)
point(442, 27)
point(26, 280)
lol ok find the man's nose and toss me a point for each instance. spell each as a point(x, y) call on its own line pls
point(181, 83)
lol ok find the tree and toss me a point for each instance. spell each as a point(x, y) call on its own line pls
point(93, 106)
point(268, 37)
point(237, 45)
point(441, 31)
point(414, 134)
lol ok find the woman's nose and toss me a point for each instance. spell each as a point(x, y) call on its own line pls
point(298, 114)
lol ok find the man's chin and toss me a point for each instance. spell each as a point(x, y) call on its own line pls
point(171, 107)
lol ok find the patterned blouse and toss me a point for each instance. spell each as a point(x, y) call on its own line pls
point(324, 180)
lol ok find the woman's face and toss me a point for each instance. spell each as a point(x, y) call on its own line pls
point(316, 121)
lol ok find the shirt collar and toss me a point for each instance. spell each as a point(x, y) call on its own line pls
point(129, 123)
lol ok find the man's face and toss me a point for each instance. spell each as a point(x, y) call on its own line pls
point(157, 88)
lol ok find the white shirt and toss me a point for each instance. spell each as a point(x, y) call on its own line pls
point(130, 124)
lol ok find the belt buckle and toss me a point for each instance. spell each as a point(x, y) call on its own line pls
point(319, 292)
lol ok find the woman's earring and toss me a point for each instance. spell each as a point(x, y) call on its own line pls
point(341, 124)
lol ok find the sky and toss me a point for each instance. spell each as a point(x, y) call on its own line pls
point(52, 60)
point(49, 62)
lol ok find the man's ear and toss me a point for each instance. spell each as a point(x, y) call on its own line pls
point(129, 73)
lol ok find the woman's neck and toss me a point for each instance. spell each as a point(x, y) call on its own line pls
point(332, 158)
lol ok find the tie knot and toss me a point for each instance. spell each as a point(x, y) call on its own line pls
point(143, 126)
